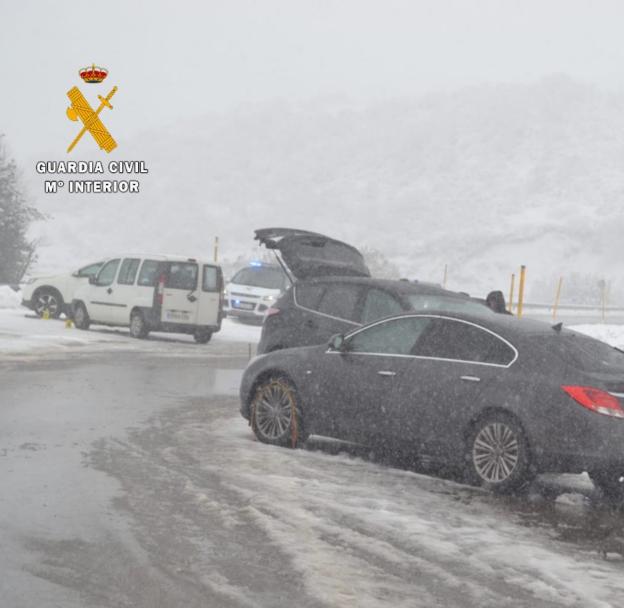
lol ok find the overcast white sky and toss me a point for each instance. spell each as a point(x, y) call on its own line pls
point(178, 59)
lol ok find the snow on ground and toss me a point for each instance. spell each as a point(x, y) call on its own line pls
point(22, 333)
point(368, 535)
point(9, 298)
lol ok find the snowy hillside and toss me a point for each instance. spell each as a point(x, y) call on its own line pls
point(482, 179)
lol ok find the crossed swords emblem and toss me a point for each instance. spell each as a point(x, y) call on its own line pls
point(80, 109)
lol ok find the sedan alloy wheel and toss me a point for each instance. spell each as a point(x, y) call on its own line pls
point(276, 417)
point(499, 455)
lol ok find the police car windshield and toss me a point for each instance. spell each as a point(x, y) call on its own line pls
point(261, 276)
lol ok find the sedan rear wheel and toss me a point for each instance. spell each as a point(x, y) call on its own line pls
point(275, 413)
point(498, 453)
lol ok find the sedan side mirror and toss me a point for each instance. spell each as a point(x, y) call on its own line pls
point(337, 343)
point(93, 280)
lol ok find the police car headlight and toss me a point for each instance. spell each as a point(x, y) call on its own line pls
point(268, 298)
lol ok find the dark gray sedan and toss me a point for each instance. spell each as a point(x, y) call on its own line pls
point(502, 398)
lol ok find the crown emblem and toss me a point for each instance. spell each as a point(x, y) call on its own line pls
point(93, 74)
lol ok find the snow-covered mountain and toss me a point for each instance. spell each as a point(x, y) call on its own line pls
point(482, 179)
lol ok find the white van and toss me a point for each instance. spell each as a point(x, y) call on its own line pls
point(153, 293)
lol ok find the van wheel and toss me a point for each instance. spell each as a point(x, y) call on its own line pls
point(138, 327)
point(81, 317)
point(202, 336)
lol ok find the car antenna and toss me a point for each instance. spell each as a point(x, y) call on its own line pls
point(557, 327)
point(279, 261)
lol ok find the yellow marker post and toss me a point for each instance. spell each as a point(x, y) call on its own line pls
point(68, 323)
point(45, 314)
point(521, 290)
point(511, 293)
point(216, 249)
point(445, 275)
point(557, 296)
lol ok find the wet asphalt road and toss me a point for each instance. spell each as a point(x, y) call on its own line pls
point(129, 480)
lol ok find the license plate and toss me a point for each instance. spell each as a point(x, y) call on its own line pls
point(177, 315)
point(243, 305)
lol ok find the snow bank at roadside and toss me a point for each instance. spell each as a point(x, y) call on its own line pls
point(9, 298)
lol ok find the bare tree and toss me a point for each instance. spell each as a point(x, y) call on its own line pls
point(17, 252)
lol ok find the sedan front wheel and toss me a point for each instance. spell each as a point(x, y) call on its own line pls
point(276, 414)
point(498, 453)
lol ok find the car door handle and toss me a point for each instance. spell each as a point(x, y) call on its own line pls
point(109, 290)
point(386, 373)
point(470, 379)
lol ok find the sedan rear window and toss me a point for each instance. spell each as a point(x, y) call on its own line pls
point(420, 301)
point(587, 353)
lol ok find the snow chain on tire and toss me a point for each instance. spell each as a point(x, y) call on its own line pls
point(288, 390)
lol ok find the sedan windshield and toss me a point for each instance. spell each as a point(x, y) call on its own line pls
point(420, 301)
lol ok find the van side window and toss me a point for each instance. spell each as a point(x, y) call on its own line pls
point(210, 280)
point(106, 276)
point(309, 295)
point(182, 275)
point(379, 304)
point(147, 276)
point(128, 271)
point(340, 301)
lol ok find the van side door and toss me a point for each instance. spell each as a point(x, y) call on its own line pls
point(124, 291)
point(180, 293)
point(100, 304)
point(210, 302)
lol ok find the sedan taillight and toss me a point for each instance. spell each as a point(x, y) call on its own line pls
point(596, 400)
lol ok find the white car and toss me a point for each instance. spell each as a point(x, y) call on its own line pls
point(54, 294)
point(153, 293)
point(252, 291)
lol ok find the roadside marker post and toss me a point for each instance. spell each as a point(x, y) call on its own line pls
point(511, 293)
point(521, 290)
point(557, 296)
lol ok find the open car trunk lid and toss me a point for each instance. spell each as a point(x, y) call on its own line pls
point(309, 254)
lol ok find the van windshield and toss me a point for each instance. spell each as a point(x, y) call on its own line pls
point(261, 276)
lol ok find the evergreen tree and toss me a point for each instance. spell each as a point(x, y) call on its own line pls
point(17, 253)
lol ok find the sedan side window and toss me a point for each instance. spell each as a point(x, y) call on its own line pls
point(340, 301)
point(393, 337)
point(106, 276)
point(379, 304)
point(457, 340)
